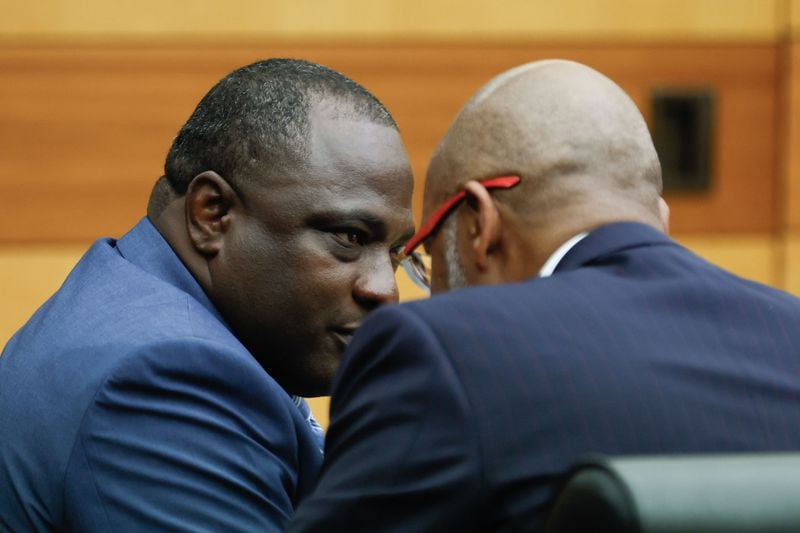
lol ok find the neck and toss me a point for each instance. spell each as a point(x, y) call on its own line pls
point(540, 239)
point(171, 224)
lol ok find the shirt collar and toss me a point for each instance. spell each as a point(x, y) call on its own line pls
point(552, 262)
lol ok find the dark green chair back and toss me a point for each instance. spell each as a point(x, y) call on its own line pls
point(672, 494)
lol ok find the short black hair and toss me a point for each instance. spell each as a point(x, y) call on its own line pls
point(258, 115)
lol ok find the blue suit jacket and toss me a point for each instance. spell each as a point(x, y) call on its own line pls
point(460, 412)
point(127, 404)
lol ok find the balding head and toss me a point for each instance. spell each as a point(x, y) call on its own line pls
point(575, 138)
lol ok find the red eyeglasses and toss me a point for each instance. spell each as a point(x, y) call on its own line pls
point(435, 220)
point(413, 263)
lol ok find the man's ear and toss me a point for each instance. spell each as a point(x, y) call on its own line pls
point(485, 226)
point(663, 212)
point(209, 199)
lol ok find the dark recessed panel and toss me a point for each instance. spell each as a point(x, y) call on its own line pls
point(682, 127)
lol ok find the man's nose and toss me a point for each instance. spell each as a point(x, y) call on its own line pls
point(376, 284)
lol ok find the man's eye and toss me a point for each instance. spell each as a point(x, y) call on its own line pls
point(350, 237)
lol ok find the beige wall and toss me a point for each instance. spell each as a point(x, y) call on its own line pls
point(381, 19)
point(793, 264)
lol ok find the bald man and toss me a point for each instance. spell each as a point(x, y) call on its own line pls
point(586, 330)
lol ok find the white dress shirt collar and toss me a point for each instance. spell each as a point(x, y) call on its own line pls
point(552, 262)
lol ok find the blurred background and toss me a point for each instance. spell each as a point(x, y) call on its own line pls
point(93, 93)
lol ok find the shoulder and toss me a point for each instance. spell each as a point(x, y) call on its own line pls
point(395, 343)
point(189, 433)
point(461, 315)
point(207, 372)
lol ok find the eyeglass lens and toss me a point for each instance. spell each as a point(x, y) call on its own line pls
point(417, 266)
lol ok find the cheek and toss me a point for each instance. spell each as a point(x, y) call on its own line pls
point(256, 268)
point(316, 275)
point(292, 282)
point(438, 269)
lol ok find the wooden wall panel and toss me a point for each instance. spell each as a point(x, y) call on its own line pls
point(791, 191)
point(84, 128)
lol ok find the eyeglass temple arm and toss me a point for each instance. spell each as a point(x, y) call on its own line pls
point(500, 182)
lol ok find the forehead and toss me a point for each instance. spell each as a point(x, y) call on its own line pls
point(347, 151)
point(351, 163)
point(473, 148)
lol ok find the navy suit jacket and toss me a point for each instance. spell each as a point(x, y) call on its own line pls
point(459, 413)
point(126, 404)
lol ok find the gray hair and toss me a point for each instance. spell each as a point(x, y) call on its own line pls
point(456, 277)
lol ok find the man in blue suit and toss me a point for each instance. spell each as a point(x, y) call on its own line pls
point(588, 329)
point(159, 388)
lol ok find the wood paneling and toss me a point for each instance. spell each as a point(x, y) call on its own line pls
point(791, 192)
point(790, 199)
point(84, 129)
point(538, 19)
